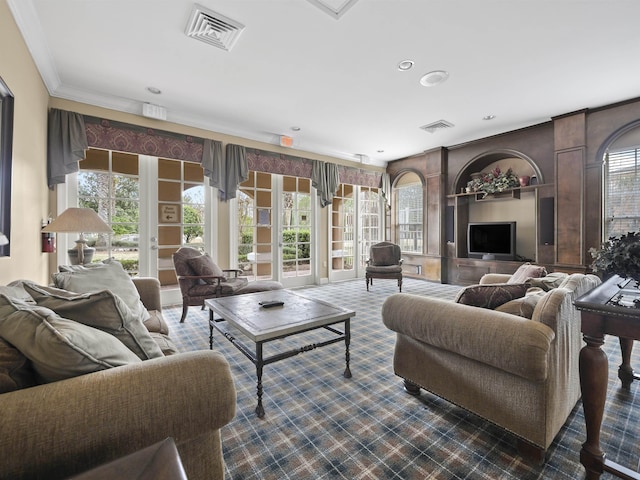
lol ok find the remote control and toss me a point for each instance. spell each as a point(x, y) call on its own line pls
point(271, 303)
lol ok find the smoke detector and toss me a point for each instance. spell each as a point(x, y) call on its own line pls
point(439, 125)
point(434, 78)
point(213, 28)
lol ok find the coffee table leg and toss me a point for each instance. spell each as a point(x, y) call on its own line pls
point(347, 341)
point(259, 365)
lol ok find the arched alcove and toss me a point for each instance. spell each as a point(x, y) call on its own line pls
point(521, 164)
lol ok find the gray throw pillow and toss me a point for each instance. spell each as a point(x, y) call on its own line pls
point(15, 369)
point(204, 265)
point(108, 275)
point(103, 310)
point(490, 296)
point(57, 347)
point(527, 271)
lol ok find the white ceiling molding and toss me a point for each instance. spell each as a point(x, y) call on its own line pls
point(334, 8)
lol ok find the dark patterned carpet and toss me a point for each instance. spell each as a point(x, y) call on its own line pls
point(319, 425)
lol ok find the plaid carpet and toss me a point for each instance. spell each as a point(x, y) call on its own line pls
point(319, 425)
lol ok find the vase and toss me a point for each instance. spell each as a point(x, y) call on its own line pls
point(524, 180)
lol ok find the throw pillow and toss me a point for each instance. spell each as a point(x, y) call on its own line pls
point(490, 296)
point(527, 271)
point(57, 347)
point(204, 265)
point(15, 369)
point(550, 281)
point(103, 310)
point(524, 306)
point(108, 275)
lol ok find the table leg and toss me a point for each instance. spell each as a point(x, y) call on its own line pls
point(210, 329)
point(593, 383)
point(347, 341)
point(259, 366)
point(625, 371)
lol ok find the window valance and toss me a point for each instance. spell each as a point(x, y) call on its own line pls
point(129, 138)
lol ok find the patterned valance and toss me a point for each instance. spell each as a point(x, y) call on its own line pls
point(270, 162)
point(129, 138)
point(125, 137)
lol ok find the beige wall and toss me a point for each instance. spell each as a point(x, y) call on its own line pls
point(32, 201)
point(30, 196)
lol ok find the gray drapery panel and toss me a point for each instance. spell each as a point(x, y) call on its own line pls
point(385, 188)
point(67, 142)
point(326, 179)
point(235, 172)
point(212, 162)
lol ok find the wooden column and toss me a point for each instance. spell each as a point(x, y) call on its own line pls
point(570, 152)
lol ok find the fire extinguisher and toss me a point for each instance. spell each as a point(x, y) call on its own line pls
point(48, 239)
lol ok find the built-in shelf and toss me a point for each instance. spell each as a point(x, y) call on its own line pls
point(507, 194)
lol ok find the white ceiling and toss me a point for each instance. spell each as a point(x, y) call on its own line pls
point(296, 64)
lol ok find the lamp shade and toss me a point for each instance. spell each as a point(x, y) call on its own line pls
point(3, 239)
point(78, 220)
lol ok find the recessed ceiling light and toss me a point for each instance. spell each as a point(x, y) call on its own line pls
point(295, 129)
point(488, 117)
point(434, 78)
point(405, 65)
point(154, 90)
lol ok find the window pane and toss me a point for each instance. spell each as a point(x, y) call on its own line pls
point(409, 217)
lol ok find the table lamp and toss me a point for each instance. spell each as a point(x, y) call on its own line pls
point(79, 220)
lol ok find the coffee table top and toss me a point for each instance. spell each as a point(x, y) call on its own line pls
point(298, 313)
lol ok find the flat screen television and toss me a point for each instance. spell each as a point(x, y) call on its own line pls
point(491, 240)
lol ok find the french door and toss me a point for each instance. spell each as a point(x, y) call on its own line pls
point(356, 223)
point(275, 229)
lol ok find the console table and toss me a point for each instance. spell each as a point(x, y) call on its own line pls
point(611, 308)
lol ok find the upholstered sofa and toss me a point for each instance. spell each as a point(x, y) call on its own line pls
point(519, 373)
point(57, 429)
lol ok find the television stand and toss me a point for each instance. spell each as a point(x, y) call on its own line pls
point(468, 271)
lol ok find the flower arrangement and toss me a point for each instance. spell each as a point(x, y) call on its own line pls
point(493, 182)
point(619, 255)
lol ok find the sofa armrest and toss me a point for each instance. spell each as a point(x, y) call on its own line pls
point(63, 428)
point(489, 278)
point(502, 340)
point(149, 291)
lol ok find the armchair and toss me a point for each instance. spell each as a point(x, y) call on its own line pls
point(384, 262)
point(200, 278)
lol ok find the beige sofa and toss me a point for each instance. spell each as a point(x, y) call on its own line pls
point(55, 430)
point(519, 373)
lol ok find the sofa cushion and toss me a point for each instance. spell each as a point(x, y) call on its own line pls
point(205, 266)
point(102, 310)
point(15, 369)
point(524, 306)
point(57, 347)
point(165, 343)
point(156, 323)
point(527, 271)
point(490, 296)
point(108, 275)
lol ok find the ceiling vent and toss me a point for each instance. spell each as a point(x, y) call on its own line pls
point(213, 28)
point(335, 8)
point(439, 125)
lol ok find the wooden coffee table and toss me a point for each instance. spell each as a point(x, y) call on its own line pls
point(261, 325)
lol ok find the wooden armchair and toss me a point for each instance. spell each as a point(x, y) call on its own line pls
point(200, 278)
point(384, 262)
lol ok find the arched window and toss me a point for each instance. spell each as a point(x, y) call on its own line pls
point(409, 202)
point(622, 185)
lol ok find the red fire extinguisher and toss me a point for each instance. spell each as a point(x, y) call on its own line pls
point(48, 239)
